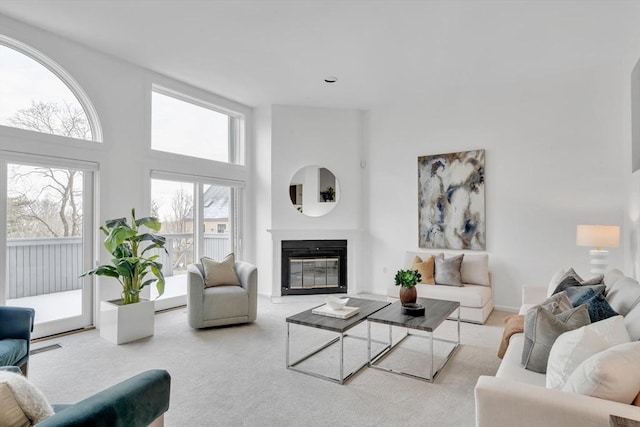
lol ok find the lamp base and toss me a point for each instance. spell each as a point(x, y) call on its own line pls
point(599, 261)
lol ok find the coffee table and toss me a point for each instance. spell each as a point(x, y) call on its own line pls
point(436, 312)
point(340, 326)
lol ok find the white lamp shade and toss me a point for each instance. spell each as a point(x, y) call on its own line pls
point(598, 236)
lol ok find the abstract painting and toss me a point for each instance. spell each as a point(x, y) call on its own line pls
point(451, 201)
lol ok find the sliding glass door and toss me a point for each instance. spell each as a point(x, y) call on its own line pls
point(47, 243)
point(198, 219)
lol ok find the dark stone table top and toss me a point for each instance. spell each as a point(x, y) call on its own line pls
point(436, 311)
point(367, 307)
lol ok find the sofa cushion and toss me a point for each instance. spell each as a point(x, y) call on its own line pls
point(632, 322)
point(235, 300)
point(447, 270)
point(11, 351)
point(468, 295)
point(610, 277)
point(574, 347)
point(475, 269)
point(613, 374)
point(623, 294)
point(510, 367)
point(425, 267)
point(31, 400)
point(542, 328)
point(219, 273)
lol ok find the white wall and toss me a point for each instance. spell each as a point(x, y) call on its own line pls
point(120, 93)
point(555, 155)
point(302, 136)
point(262, 186)
point(632, 237)
point(631, 240)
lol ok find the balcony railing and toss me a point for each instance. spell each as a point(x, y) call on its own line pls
point(38, 266)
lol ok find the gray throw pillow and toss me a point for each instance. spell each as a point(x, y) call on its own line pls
point(541, 328)
point(447, 271)
point(595, 280)
point(557, 303)
point(568, 281)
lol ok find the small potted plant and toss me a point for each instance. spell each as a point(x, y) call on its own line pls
point(407, 280)
point(131, 265)
point(328, 195)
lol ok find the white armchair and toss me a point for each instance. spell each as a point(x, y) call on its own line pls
point(222, 305)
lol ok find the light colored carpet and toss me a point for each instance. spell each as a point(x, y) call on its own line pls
point(236, 376)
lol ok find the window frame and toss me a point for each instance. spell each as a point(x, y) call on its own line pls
point(237, 120)
point(66, 79)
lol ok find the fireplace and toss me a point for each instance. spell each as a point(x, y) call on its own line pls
point(314, 267)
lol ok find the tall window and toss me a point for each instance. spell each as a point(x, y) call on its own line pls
point(193, 129)
point(34, 98)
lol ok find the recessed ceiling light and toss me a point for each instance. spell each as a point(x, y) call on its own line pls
point(331, 79)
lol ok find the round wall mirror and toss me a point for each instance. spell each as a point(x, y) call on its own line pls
point(314, 191)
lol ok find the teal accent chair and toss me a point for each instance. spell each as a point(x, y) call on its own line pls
point(16, 325)
point(139, 401)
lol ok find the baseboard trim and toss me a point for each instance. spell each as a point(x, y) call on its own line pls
point(506, 308)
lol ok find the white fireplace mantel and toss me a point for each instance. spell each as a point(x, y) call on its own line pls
point(354, 252)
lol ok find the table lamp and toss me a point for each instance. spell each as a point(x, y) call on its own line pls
point(598, 237)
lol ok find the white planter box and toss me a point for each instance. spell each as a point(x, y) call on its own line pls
point(124, 323)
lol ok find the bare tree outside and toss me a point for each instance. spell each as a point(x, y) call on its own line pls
point(181, 216)
point(47, 202)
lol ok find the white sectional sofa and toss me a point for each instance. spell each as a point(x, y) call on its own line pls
point(476, 301)
point(519, 397)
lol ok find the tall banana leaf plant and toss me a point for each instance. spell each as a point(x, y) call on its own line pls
point(128, 246)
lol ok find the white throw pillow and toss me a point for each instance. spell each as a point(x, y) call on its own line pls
point(475, 269)
point(574, 347)
point(613, 374)
point(29, 398)
point(219, 273)
point(555, 281)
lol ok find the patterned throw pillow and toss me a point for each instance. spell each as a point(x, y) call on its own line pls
point(447, 271)
point(597, 306)
point(579, 294)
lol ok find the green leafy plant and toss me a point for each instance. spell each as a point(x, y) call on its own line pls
point(407, 278)
point(128, 245)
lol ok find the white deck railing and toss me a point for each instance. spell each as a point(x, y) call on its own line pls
point(38, 266)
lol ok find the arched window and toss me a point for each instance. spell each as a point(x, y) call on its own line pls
point(38, 95)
